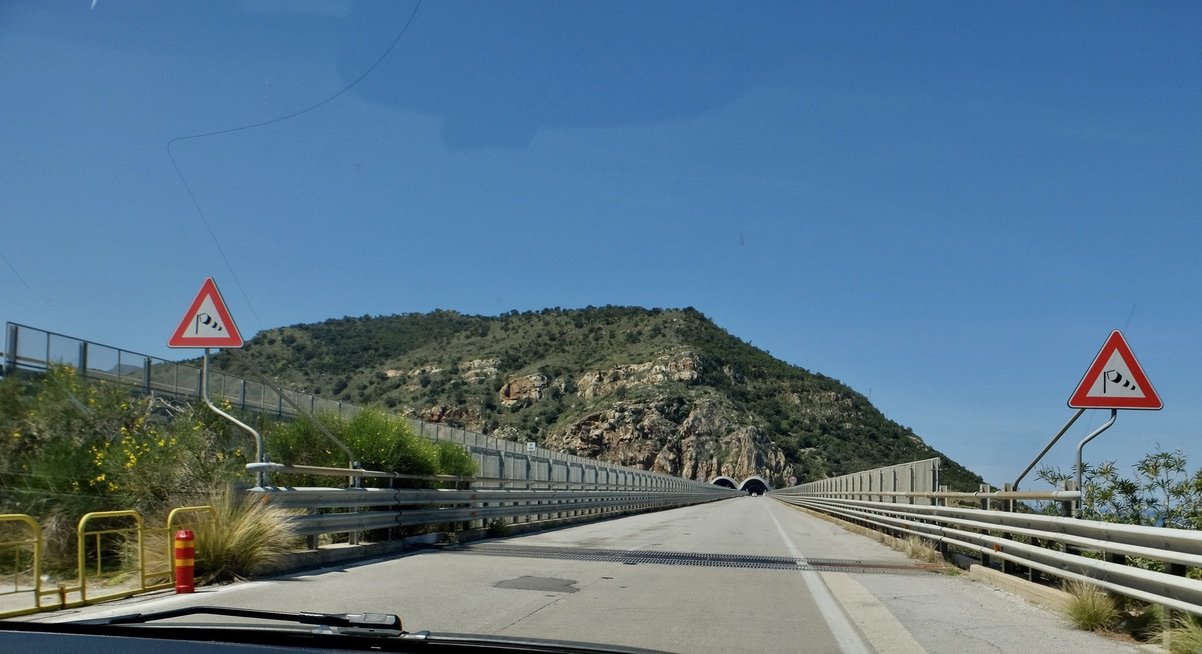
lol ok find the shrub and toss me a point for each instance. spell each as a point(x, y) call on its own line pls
point(380, 442)
point(1090, 608)
point(454, 460)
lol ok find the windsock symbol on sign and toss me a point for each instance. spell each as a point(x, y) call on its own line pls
point(1115, 380)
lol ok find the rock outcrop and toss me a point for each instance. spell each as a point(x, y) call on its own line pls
point(684, 367)
point(697, 440)
point(521, 391)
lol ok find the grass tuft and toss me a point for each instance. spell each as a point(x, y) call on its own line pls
point(1090, 608)
point(1185, 638)
point(246, 536)
point(918, 548)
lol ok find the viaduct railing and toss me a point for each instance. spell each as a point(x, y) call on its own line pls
point(472, 502)
point(1146, 563)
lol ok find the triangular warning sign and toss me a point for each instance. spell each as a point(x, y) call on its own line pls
point(207, 322)
point(1115, 380)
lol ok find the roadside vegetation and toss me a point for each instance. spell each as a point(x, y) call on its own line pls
point(70, 447)
point(1160, 491)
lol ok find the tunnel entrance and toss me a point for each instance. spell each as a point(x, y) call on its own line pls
point(754, 486)
point(725, 482)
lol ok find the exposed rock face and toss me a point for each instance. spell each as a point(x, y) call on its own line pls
point(701, 440)
point(523, 390)
point(478, 371)
point(458, 416)
point(683, 367)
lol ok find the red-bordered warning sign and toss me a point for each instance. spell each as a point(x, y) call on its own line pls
point(1115, 380)
point(207, 322)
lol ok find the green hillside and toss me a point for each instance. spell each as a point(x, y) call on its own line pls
point(660, 389)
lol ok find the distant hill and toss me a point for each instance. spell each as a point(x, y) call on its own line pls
point(658, 389)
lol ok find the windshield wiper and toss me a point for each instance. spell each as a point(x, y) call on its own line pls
point(358, 624)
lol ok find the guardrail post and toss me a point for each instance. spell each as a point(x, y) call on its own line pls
point(82, 367)
point(1066, 506)
point(1170, 618)
point(986, 505)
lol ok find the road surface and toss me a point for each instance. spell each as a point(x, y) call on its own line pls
point(743, 575)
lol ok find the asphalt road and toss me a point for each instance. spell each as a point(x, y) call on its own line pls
point(741, 575)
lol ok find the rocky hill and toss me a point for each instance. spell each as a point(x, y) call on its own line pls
point(666, 390)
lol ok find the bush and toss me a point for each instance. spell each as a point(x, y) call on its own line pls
point(379, 440)
point(71, 447)
point(454, 460)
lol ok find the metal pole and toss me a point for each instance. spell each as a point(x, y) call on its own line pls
point(1114, 413)
point(10, 353)
point(1047, 447)
point(261, 476)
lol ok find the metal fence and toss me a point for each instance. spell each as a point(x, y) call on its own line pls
point(31, 349)
point(36, 350)
point(113, 560)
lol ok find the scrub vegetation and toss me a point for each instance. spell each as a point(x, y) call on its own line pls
point(1160, 491)
point(70, 447)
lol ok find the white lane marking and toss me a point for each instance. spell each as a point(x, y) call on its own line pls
point(879, 626)
point(841, 628)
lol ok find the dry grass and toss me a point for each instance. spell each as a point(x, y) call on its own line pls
point(246, 536)
point(918, 548)
point(1090, 608)
point(1185, 638)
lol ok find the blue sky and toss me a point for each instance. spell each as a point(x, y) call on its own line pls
point(947, 206)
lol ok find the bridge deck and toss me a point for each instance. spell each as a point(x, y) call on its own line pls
point(741, 575)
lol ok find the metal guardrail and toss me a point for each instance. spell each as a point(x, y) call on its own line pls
point(485, 499)
point(416, 507)
point(1090, 551)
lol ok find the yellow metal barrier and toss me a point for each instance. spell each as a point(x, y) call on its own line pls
point(99, 541)
point(100, 555)
point(34, 543)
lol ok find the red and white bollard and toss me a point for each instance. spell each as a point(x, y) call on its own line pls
point(185, 561)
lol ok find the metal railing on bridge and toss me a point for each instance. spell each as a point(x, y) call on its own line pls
point(473, 502)
point(1146, 563)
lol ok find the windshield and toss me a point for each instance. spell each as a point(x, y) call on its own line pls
point(748, 245)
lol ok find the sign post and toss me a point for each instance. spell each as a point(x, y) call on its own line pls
point(207, 324)
point(1114, 381)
